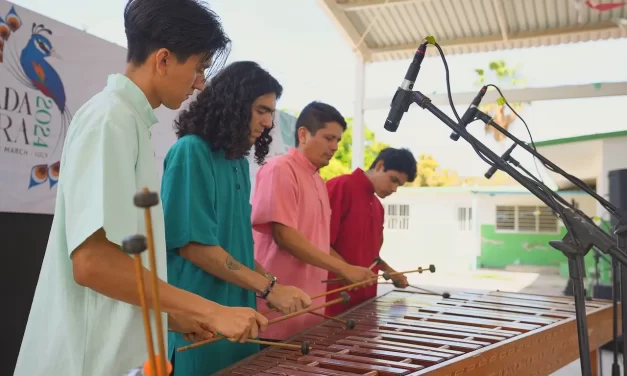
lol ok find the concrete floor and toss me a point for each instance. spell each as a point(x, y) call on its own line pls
point(526, 280)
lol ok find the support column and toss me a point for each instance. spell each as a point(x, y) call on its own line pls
point(358, 117)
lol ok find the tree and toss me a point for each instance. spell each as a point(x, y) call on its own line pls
point(428, 174)
point(498, 110)
point(341, 162)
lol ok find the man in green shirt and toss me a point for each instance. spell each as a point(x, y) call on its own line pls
point(206, 201)
point(85, 319)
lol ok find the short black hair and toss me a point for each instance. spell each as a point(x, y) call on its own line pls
point(222, 111)
point(401, 160)
point(315, 116)
point(185, 27)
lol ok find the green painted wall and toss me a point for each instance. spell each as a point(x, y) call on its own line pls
point(499, 250)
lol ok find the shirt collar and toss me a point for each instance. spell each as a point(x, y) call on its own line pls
point(360, 177)
point(134, 96)
point(301, 160)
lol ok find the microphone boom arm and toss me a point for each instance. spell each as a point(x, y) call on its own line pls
point(480, 115)
point(582, 235)
point(619, 269)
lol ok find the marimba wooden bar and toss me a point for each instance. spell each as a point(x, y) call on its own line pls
point(469, 334)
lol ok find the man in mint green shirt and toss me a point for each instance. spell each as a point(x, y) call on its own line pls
point(85, 319)
point(206, 202)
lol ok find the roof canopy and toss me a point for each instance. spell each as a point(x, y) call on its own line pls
point(381, 30)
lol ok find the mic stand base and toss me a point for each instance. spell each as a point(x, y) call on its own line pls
point(621, 277)
point(616, 278)
point(576, 273)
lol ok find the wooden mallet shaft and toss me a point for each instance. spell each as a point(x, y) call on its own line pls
point(345, 298)
point(155, 288)
point(305, 348)
point(347, 287)
point(135, 245)
point(386, 275)
point(145, 200)
point(350, 323)
point(377, 260)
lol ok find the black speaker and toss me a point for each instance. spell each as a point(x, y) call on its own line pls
point(617, 182)
point(23, 240)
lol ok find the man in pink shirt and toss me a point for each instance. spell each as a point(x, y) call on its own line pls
point(291, 215)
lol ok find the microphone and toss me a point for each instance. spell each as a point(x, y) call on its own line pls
point(470, 112)
point(506, 157)
point(404, 95)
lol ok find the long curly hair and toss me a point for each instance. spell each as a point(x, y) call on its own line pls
point(222, 112)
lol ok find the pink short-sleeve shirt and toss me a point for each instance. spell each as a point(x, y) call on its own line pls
point(290, 191)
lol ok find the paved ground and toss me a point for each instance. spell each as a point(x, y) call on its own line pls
point(539, 281)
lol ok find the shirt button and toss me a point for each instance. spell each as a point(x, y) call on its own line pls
point(237, 186)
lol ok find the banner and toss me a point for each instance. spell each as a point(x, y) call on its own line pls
point(48, 70)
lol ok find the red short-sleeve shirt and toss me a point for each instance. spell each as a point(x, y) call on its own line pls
point(356, 230)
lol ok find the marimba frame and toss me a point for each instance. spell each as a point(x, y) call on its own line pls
point(402, 333)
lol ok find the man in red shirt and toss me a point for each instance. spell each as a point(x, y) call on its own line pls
point(357, 217)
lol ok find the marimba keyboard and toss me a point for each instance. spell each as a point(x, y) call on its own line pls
point(407, 333)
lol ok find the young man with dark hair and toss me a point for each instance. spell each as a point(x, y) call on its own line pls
point(291, 214)
point(357, 217)
point(206, 201)
point(85, 318)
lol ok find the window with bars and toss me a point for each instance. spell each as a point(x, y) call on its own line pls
point(526, 218)
point(464, 218)
point(397, 216)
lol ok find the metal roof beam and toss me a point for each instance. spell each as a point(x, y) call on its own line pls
point(491, 39)
point(606, 89)
point(346, 27)
point(500, 18)
point(355, 5)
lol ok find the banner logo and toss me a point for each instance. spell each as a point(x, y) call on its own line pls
point(34, 116)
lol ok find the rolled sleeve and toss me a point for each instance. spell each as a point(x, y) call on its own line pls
point(189, 195)
point(99, 182)
point(275, 198)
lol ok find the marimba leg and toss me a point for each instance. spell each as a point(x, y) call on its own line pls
point(594, 361)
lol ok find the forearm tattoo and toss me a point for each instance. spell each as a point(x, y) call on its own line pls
point(232, 264)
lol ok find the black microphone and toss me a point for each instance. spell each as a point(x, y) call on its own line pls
point(404, 95)
point(470, 112)
point(506, 157)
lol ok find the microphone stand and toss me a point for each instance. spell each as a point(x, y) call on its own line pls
point(619, 269)
point(583, 233)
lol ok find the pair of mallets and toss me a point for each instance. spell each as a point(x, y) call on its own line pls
point(135, 245)
point(388, 275)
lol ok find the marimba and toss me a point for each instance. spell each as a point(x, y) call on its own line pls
point(470, 334)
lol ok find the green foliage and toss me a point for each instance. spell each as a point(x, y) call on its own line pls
point(341, 162)
point(503, 73)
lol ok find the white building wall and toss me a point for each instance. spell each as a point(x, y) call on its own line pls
point(435, 234)
point(432, 234)
point(489, 202)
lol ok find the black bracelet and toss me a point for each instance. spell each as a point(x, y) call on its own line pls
point(268, 289)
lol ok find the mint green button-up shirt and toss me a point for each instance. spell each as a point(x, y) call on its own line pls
point(107, 158)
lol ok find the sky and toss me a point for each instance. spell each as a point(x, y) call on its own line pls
point(299, 45)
